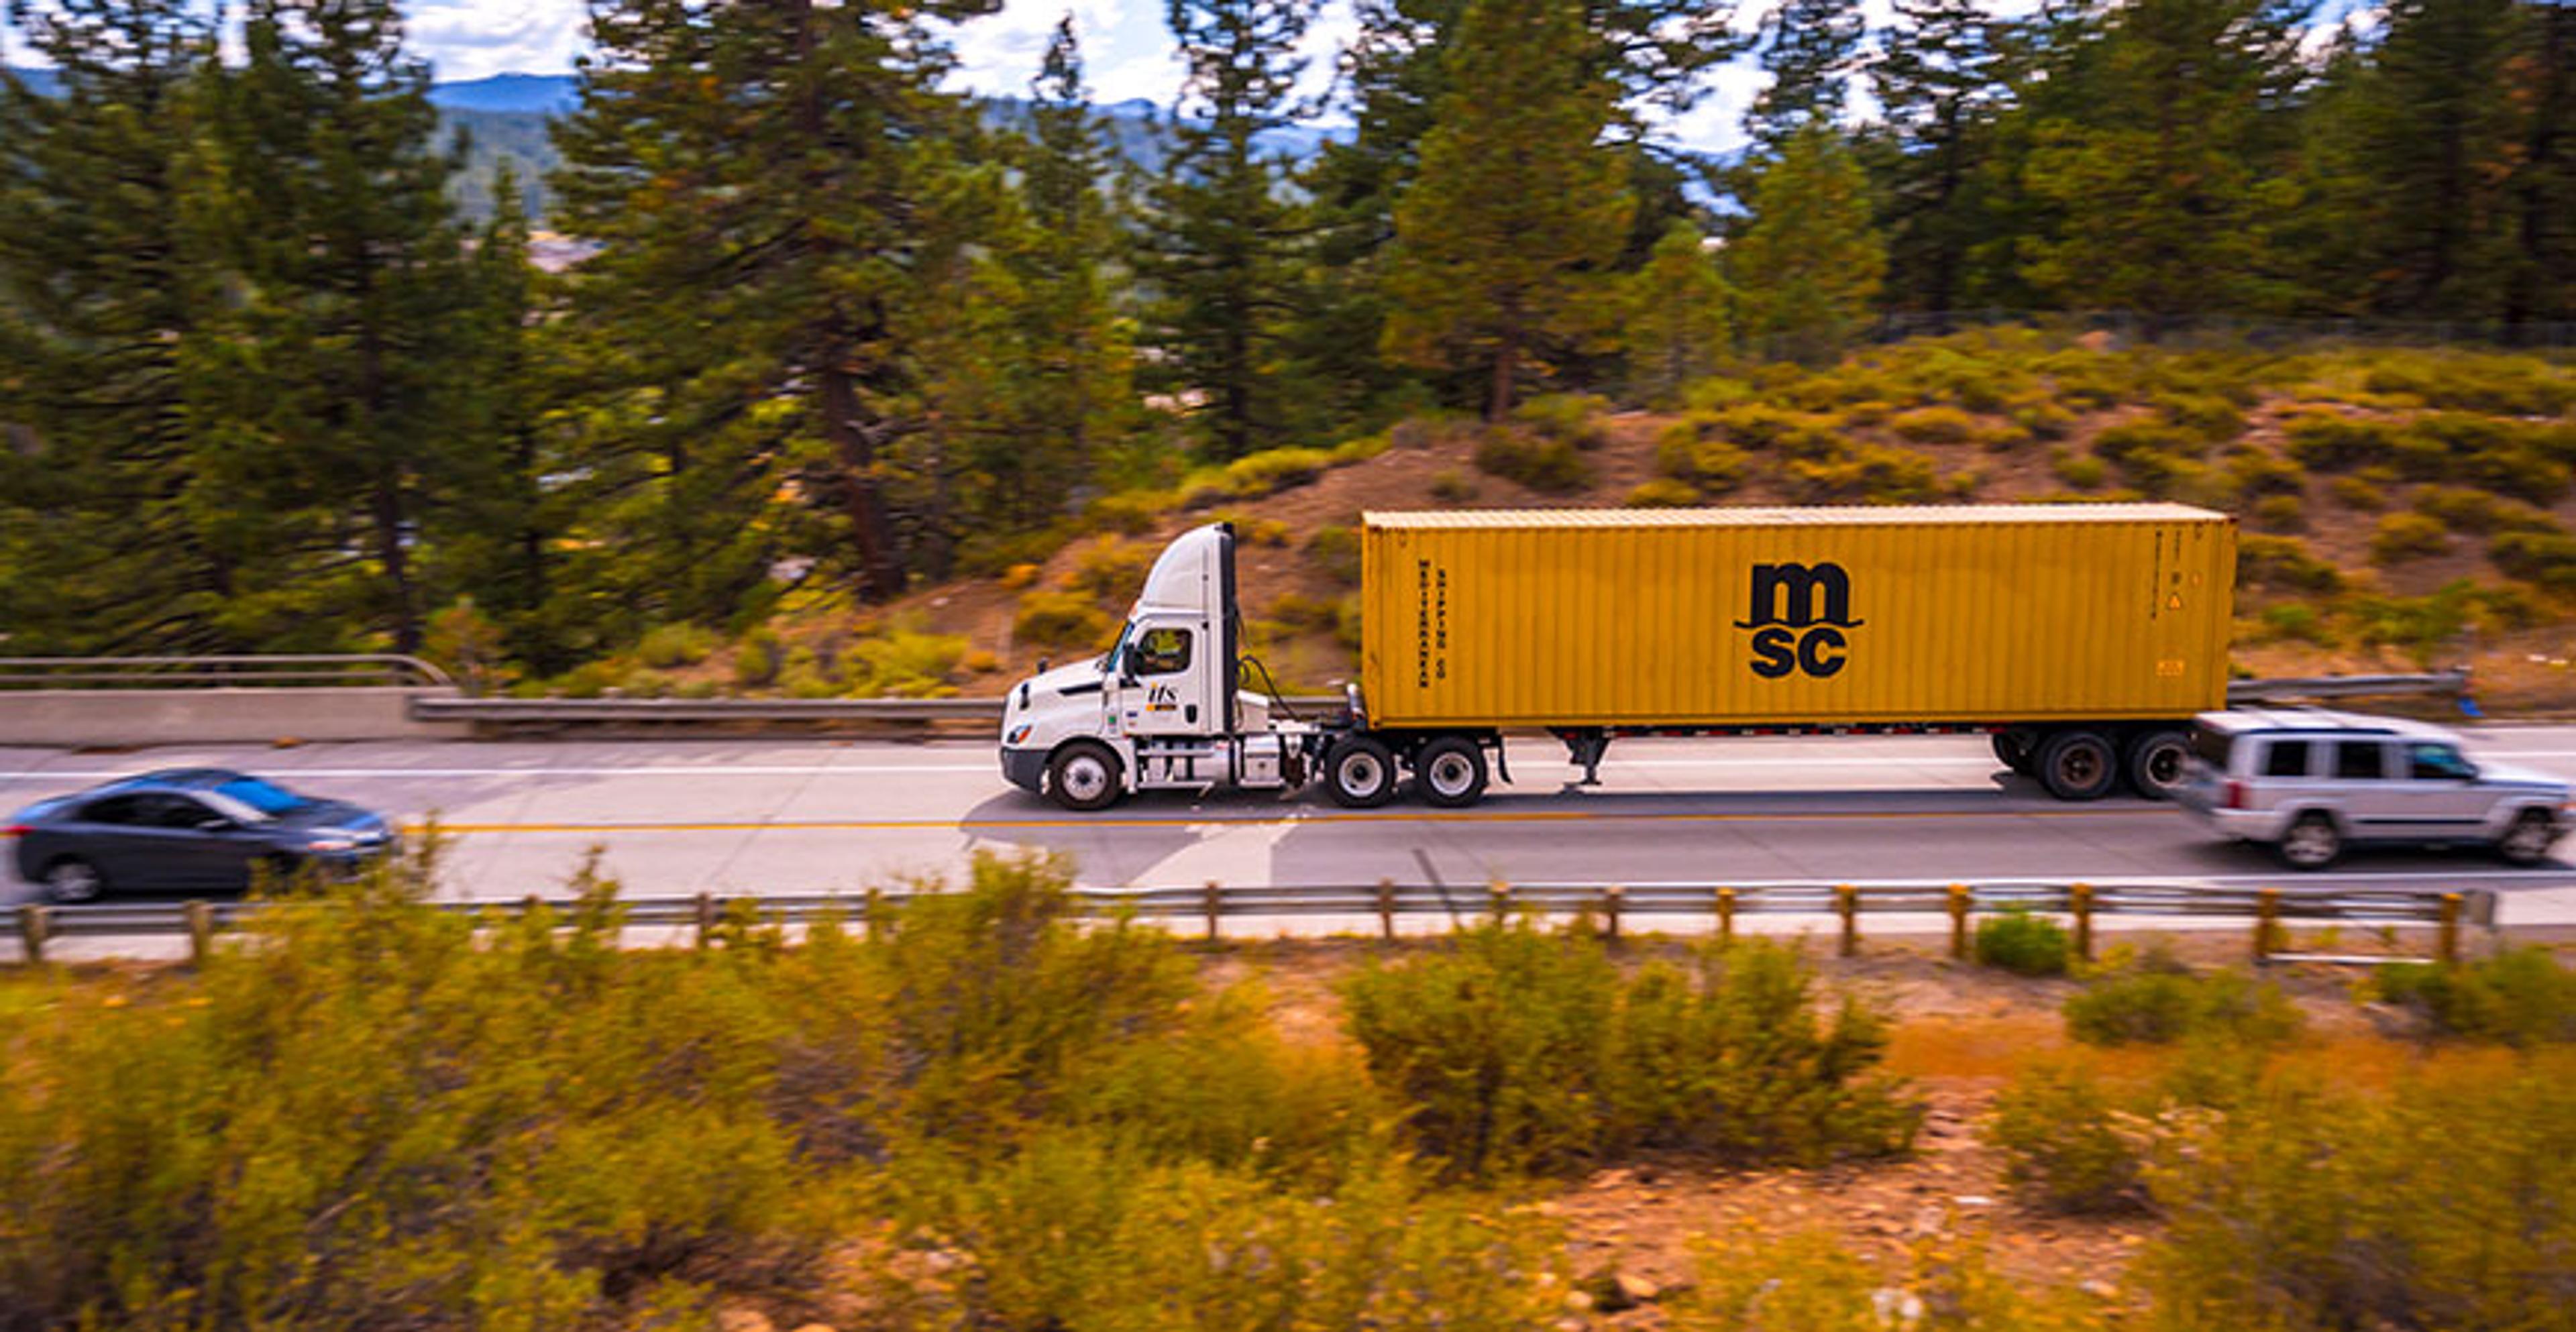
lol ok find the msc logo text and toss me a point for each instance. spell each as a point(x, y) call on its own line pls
point(1790, 635)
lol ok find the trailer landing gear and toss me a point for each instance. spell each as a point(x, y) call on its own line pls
point(1584, 749)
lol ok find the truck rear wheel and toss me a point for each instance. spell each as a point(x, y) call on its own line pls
point(1450, 772)
point(1360, 773)
point(2156, 760)
point(1083, 777)
point(2078, 765)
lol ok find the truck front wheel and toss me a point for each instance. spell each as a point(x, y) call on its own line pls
point(1360, 773)
point(1083, 777)
point(1450, 772)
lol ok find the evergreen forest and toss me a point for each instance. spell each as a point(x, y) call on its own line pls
point(838, 334)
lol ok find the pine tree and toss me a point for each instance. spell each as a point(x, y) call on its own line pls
point(113, 537)
point(1502, 243)
point(1809, 47)
point(1220, 239)
point(2170, 179)
point(756, 177)
point(2436, 124)
point(1676, 315)
point(1808, 265)
point(2541, 280)
point(1938, 84)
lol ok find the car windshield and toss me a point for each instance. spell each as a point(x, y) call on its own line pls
point(267, 798)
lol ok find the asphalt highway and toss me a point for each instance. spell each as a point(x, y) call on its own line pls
point(676, 817)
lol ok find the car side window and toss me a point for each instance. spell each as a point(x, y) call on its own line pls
point(2287, 758)
point(1163, 652)
point(2361, 760)
point(121, 810)
point(2437, 763)
point(177, 812)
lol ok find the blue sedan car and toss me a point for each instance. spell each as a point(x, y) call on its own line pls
point(185, 830)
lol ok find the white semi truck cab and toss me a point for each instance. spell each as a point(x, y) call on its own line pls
point(1161, 710)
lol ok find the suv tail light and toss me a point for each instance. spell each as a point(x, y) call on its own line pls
point(2236, 795)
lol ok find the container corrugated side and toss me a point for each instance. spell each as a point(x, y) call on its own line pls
point(2094, 612)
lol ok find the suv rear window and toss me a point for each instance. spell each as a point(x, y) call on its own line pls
point(2361, 760)
point(2287, 758)
point(2210, 746)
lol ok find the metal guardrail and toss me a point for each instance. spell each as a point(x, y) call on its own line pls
point(1614, 906)
point(255, 670)
point(2451, 682)
point(649, 711)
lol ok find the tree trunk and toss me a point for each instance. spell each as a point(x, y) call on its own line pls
point(880, 569)
point(1507, 359)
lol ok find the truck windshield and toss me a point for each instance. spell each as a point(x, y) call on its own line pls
point(1109, 660)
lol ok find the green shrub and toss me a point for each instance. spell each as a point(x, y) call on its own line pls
point(1111, 568)
point(1663, 493)
point(2042, 418)
point(1335, 549)
point(1062, 620)
point(2354, 492)
point(2476, 382)
point(2444, 1203)
point(2464, 510)
point(2331, 442)
point(2521, 997)
point(2255, 474)
point(2082, 471)
point(2155, 1000)
point(1572, 417)
point(1450, 486)
point(1346, 622)
point(1867, 474)
point(2546, 558)
point(2422, 626)
point(1266, 473)
point(669, 645)
point(2022, 943)
point(1716, 394)
point(757, 658)
point(2120, 443)
point(1934, 425)
point(1793, 434)
point(2208, 417)
point(1512, 1049)
point(2295, 620)
point(1762, 1279)
point(2407, 536)
point(2063, 1143)
point(1549, 466)
point(2280, 513)
point(1129, 513)
point(904, 662)
point(2283, 564)
point(1704, 464)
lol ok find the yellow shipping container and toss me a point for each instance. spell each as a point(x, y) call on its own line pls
point(1758, 617)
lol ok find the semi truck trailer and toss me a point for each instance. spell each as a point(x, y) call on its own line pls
point(2082, 638)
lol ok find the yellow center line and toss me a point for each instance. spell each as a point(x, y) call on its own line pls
point(1254, 821)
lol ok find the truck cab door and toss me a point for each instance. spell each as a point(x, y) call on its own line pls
point(1166, 680)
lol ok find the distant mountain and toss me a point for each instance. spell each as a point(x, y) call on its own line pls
point(542, 94)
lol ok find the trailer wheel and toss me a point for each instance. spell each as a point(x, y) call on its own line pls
point(1083, 777)
point(2013, 748)
point(2078, 765)
point(1450, 772)
point(2156, 762)
point(1360, 773)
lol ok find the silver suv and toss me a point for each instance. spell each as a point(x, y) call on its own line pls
point(2308, 783)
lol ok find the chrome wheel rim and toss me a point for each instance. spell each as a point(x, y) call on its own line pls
point(1360, 774)
point(2163, 768)
point(1451, 774)
point(1085, 777)
point(72, 882)
point(2309, 844)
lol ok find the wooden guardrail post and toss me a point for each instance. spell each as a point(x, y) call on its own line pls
point(1211, 904)
point(1725, 916)
point(1847, 904)
point(2446, 945)
point(706, 918)
point(872, 913)
point(1386, 910)
point(1610, 909)
point(201, 932)
point(35, 925)
point(1959, 921)
point(1500, 903)
point(2079, 899)
point(2267, 919)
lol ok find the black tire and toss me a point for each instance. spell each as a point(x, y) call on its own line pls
point(2312, 843)
point(2155, 763)
point(1083, 777)
point(1450, 772)
point(2078, 765)
point(2014, 748)
point(71, 880)
point(2528, 841)
point(1360, 773)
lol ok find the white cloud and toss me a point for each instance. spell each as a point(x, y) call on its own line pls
point(472, 39)
point(999, 53)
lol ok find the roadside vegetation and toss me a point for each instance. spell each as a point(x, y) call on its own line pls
point(981, 1114)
